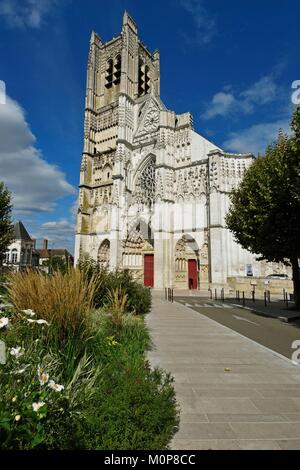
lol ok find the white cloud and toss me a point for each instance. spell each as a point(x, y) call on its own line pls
point(60, 234)
point(35, 184)
point(225, 103)
point(221, 104)
point(63, 225)
point(255, 139)
point(26, 13)
point(205, 24)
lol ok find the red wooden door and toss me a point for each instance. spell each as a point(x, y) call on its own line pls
point(192, 274)
point(149, 270)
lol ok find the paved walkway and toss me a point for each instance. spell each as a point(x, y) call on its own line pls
point(233, 393)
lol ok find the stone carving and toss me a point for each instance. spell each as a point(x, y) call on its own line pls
point(151, 121)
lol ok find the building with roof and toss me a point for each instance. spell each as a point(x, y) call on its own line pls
point(153, 193)
point(21, 252)
point(46, 254)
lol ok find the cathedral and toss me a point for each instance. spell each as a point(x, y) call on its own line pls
point(153, 192)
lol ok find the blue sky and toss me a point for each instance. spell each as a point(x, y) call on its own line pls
point(230, 63)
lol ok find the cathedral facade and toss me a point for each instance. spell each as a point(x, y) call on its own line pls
point(153, 192)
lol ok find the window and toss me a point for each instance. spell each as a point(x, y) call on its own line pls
point(109, 74)
point(14, 256)
point(145, 185)
point(143, 79)
point(6, 259)
point(103, 254)
point(117, 70)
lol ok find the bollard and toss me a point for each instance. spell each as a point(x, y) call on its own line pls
point(216, 297)
point(269, 296)
point(265, 299)
point(238, 295)
point(243, 299)
point(284, 295)
point(166, 294)
point(253, 296)
point(172, 295)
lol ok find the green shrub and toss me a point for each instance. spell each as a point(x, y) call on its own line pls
point(40, 397)
point(111, 398)
point(134, 407)
point(139, 297)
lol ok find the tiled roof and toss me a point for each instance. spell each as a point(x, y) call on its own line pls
point(20, 232)
point(54, 252)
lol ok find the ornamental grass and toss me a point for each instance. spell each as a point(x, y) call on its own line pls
point(63, 299)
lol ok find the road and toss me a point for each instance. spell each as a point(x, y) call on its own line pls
point(269, 332)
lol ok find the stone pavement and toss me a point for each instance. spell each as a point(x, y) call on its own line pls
point(233, 393)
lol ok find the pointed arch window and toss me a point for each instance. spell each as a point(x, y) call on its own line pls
point(143, 79)
point(145, 185)
point(117, 70)
point(103, 254)
point(109, 73)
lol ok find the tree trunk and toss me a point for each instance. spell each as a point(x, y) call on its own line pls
point(296, 281)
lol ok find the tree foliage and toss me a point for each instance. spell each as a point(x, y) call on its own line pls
point(6, 227)
point(265, 209)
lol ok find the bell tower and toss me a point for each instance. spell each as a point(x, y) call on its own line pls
point(121, 74)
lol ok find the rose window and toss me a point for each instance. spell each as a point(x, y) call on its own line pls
point(145, 185)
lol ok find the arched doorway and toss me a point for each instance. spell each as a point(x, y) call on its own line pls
point(138, 254)
point(104, 254)
point(186, 263)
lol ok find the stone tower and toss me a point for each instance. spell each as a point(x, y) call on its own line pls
point(153, 192)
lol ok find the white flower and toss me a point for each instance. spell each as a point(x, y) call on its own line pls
point(20, 371)
point(17, 352)
point(17, 417)
point(54, 386)
point(29, 312)
point(37, 406)
point(3, 322)
point(43, 377)
point(42, 322)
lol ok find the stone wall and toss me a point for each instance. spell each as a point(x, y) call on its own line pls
point(246, 284)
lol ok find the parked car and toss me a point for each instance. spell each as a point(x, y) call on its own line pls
point(277, 276)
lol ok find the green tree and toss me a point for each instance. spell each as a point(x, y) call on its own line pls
point(56, 263)
point(264, 215)
point(6, 227)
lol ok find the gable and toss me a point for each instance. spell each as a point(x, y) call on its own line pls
point(149, 119)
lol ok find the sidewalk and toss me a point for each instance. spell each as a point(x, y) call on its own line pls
point(232, 392)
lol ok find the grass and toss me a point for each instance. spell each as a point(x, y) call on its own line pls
point(63, 299)
point(139, 297)
point(111, 398)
